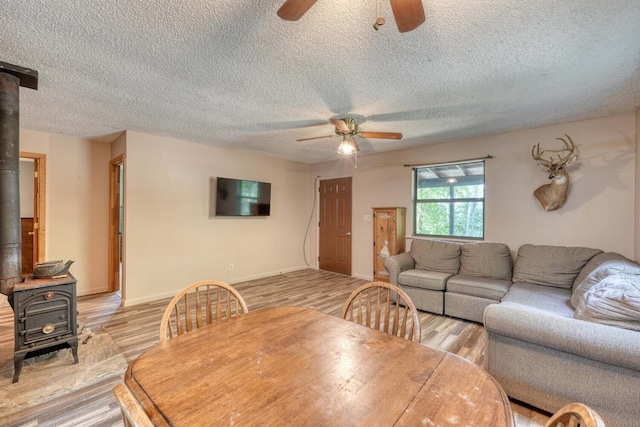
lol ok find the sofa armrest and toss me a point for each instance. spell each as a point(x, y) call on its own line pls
point(396, 264)
point(595, 341)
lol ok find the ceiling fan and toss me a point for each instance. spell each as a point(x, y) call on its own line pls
point(409, 14)
point(347, 129)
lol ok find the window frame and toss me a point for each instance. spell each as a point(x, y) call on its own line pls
point(450, 201)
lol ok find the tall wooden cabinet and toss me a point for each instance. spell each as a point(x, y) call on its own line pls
point(388, 238)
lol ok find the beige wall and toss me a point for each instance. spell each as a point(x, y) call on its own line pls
point(170, 240)
point(637, 192)
point(26, 188)
point(77, 204)
point(119, 145)
point(599, 211)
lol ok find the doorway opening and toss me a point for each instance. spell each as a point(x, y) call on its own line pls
point(33, 167)
point(116, 225)
point(334, 223)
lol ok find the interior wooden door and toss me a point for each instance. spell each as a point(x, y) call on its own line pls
point(115, 259)
point(38, 208)
point(335, 225)
point(33, 228)
point(28, 260)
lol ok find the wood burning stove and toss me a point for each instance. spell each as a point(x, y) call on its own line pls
point(45, 318)
point(44, 309)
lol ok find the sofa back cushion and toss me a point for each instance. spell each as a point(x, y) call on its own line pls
point(491, 260)
point(436, 255)
point(619, 266)
point(556, 266)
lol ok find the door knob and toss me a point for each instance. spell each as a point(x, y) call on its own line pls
point(31, 233)
point(348, 233)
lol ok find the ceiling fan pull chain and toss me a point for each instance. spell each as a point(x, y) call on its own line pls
point(379, 22)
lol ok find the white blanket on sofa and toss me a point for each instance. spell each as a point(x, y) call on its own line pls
point(615, 301)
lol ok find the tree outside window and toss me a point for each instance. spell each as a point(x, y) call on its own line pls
point(449, 200)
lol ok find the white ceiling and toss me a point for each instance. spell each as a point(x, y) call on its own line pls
point(231, 73)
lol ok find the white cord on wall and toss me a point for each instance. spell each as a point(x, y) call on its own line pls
point(313, 209)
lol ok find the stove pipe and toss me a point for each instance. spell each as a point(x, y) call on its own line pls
point(11, 78)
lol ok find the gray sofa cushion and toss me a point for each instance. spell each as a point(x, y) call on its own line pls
point(616, 266)
point(556, 266)
point(483, 287)
point(486, 260)
point(615, 300)
point(424, 279)
point(546, 298)
point(436, 255)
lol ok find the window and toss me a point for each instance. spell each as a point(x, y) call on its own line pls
point(248, 196)
point(449, 200)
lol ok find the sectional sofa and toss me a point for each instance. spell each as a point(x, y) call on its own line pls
point(450, 278)
point(562, 325)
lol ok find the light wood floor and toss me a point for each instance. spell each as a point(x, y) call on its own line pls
point(135, 329)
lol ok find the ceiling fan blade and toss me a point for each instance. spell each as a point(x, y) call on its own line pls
point(340, 125)
point(409, 14)
point(316, 137)
point(381, 135)
point(292, 10)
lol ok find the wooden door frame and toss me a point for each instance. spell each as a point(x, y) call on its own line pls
point(317, 213)
point(114, 261)
point(40, 197)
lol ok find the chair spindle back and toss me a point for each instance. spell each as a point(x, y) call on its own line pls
point(384, 307)
point(200, 304)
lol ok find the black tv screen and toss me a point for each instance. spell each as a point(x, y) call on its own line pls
point(241, 197)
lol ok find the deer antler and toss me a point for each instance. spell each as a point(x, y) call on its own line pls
point(568, 146)
point(537, 155)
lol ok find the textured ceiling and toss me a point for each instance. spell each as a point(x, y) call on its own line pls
point(231, 73)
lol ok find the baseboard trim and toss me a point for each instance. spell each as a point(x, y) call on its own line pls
point(170, 294)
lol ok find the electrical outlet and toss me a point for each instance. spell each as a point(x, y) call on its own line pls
point(231, 266)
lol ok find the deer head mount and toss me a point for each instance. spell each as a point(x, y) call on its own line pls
point(553, 195)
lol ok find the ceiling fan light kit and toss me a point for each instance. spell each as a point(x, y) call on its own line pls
point(348, 146)
point(409, 14)
point(348, 129)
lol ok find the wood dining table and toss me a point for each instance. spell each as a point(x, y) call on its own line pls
point(295, 366)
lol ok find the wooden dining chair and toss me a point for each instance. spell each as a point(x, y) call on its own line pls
point(575, 415)
point(385, 307)
point(199, 304)
point(132, 413)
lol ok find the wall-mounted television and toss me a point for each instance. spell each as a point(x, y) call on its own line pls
point(239, 197)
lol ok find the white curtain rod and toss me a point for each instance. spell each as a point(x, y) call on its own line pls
point(448, 163)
